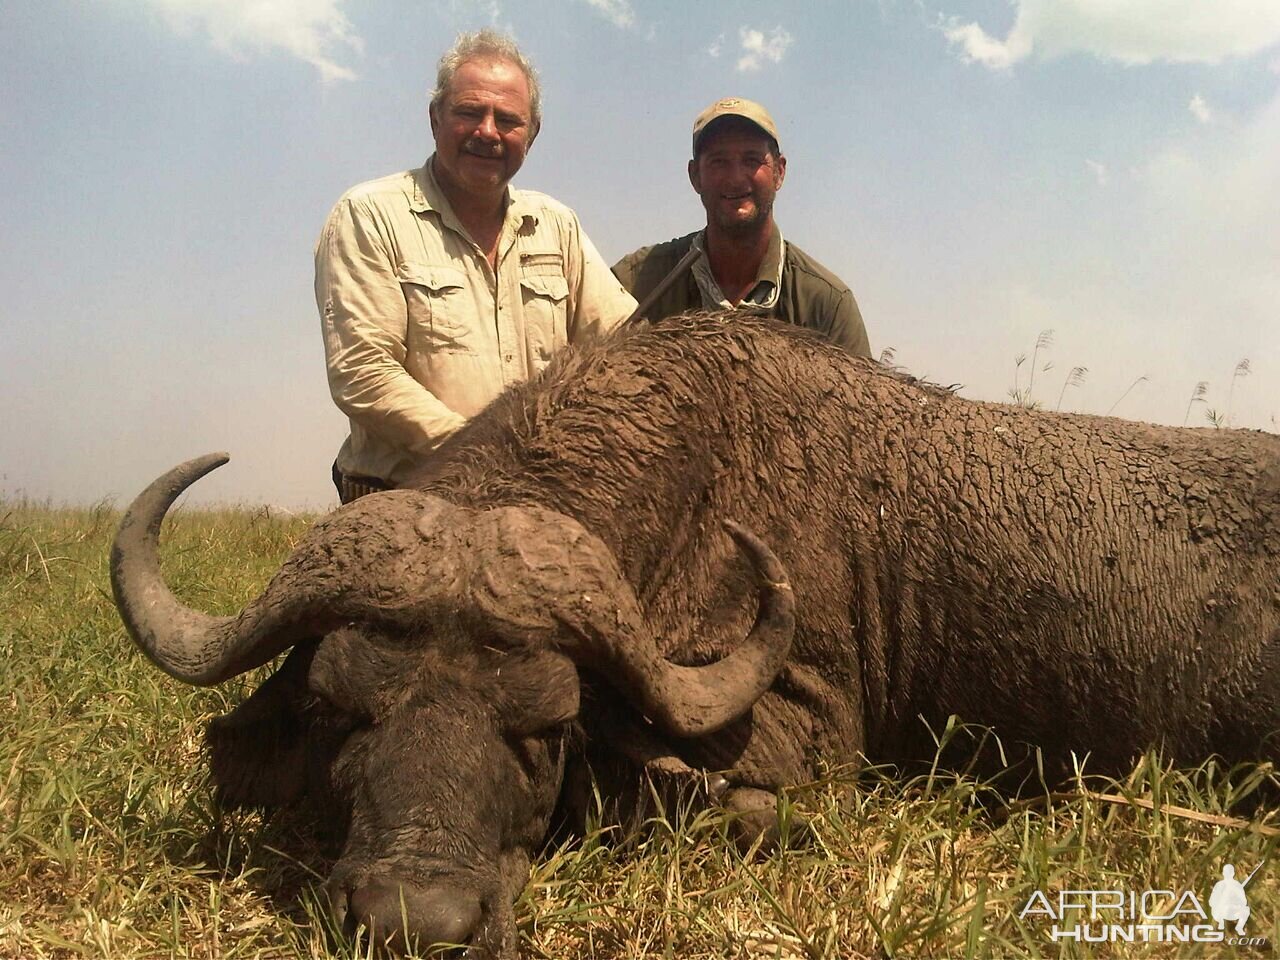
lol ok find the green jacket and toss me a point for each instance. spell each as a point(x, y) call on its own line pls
point(810, 295)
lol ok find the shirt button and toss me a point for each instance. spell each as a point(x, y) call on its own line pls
point(508, 358)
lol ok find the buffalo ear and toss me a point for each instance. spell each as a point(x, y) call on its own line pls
point(258, 751)
point(538, 692)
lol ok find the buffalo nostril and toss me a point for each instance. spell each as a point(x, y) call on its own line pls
point(408, 916)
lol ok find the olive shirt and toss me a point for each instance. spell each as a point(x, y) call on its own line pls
point(808, 295)
point(420, 333)
point(762, 294)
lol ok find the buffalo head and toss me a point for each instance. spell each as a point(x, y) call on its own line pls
point(433, 681)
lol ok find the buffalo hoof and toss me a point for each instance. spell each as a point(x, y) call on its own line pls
point(403, 917)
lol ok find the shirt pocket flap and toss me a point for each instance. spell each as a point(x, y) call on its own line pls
point(431, 276)
point(546, 285)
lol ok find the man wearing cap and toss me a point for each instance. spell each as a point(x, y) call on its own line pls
point(740, 260)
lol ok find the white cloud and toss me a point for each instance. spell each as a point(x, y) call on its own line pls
point(617, 12)
point(1099, 171)
point(977, 46)
point(717, 45)
point(314, 31)
point(757, 48)
point(1127, 31)
point(1200, 109)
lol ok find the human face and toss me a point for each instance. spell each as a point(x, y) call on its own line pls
point(483, 128)
point(737, 177)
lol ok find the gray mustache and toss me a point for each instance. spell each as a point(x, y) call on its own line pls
point(481, 149)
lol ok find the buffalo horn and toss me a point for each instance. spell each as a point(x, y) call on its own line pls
point(362, 562)
point(694, 701)
point(539, 573)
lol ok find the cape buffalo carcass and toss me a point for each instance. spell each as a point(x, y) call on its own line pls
point(567, 563)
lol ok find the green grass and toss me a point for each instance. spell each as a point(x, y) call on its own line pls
point(110, 844)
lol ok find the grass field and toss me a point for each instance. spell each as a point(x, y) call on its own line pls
point(110, 845)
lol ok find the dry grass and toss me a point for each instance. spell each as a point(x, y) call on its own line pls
point(110, 846)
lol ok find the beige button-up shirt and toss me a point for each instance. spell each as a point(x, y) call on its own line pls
point(420, 333)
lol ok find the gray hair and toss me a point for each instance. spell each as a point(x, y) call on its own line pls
point(487, 45)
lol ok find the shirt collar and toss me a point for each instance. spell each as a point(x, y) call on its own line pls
point(428, 196)
point(763, 293)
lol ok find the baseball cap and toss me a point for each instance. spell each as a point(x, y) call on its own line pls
point(734, 107)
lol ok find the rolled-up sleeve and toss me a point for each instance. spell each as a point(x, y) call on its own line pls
point(365, 321)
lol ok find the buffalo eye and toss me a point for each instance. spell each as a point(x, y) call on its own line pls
point(537, 692)
point(356, 669)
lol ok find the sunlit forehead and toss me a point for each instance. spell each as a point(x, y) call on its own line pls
point(752, 158)
point(483, 85)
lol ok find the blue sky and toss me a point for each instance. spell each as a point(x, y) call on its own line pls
point(978, 173)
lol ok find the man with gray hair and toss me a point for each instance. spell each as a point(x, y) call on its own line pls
point(440, 287)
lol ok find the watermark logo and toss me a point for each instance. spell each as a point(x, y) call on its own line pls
point(1147, 916)
point(1228, 901)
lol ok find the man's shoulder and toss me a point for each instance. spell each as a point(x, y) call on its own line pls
point(656, 259)
point(542, 203)
point(815, 297)
point(672, 249)
point(380, 189)
point(812, 271)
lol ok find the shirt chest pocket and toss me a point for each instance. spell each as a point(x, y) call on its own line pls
point(441, 314)
point(545, 298)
